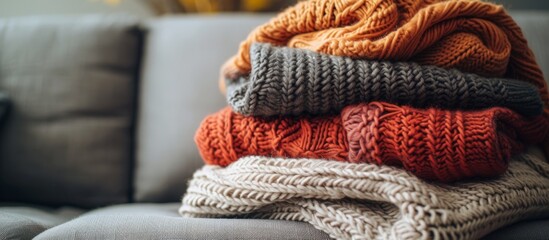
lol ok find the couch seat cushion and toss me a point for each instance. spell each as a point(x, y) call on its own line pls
point(25, 222)
point(161, 221)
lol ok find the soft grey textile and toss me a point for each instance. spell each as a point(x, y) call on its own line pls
point(531, 230)
point(71, 82)
point(25, 222)
point(179, 88)
point(534, 26)
point(291, 81)
point(161, 221)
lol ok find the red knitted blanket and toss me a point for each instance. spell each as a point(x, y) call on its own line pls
point(433, 144)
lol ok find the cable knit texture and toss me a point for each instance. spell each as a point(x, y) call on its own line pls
point(366, 201)
point(290, 81)
point(472, 36)
point(433, 144)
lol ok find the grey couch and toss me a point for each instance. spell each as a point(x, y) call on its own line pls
point(98, 140)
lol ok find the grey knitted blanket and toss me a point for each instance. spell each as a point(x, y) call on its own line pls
point(289, 81)
point(367, 201)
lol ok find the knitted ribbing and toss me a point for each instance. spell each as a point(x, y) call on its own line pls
point(472, 36)
point(366, 201)
point(433, 144)
point(290, 81)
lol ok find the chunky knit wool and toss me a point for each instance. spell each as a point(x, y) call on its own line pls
point(472, 36)
point(366, 201)
point(290, 81)
point(433, 144)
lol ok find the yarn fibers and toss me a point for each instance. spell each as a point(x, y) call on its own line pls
point(434, 144)
point(290, 81)
point(367, 201)
point(472, 36)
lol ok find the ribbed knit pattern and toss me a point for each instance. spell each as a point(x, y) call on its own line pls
point(436, 144)
point(433, 144)
point(366, 201)
point(472, 36)
point(290, 81)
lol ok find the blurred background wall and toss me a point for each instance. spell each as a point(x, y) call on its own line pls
point(11, 8)
point(149, 8)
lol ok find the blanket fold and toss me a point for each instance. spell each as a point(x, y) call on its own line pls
point(472, 36)
point(433, 144)
point(367, 201)
point(290, 81)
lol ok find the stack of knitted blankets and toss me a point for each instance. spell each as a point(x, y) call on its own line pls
point(376, 119)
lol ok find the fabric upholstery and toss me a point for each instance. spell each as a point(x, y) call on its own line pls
point(534, 26)
point(161, 221)
point(71, 81)
point(180, 71)
point(25, 222)
point(531, 230)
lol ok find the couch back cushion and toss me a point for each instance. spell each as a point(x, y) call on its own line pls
point(179, 87)
point(534, 25)
point(71, 81)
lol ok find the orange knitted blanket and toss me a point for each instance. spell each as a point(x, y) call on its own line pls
point(432, 144)
point(472, 36)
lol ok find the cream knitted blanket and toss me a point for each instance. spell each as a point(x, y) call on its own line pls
point(365, 201)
